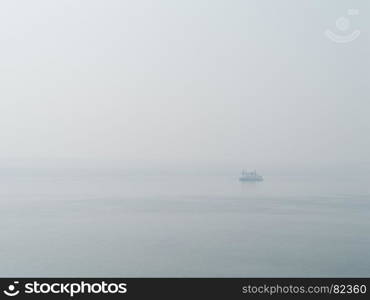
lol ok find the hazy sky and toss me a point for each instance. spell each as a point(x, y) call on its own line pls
point(241, 82)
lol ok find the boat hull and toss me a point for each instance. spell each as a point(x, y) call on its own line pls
point(251, 179)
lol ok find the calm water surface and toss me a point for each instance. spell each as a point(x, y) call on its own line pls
point(119, 225)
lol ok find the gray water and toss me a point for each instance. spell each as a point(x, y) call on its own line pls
point(82, 224)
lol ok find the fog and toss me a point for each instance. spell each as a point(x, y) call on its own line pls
point(193, 84)
point(124, 126)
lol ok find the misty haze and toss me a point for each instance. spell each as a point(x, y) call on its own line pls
point(125, 126)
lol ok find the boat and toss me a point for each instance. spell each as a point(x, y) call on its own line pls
point(250, 176)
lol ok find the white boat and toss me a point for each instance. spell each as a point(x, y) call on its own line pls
point(250, 176)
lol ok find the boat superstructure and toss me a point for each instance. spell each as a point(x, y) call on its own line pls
point(250, 176)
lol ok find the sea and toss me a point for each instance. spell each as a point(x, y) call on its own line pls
point(117, 224)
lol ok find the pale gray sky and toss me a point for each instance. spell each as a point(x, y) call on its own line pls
point(242, 82)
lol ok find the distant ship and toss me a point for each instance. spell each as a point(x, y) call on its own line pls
point(250, 176)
